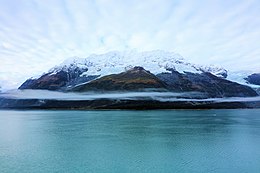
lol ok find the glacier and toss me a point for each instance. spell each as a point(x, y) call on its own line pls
point(156, 61)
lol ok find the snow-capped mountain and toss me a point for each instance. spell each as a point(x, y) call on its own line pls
point(76, 71)
point(115, 62)
point(136, 71)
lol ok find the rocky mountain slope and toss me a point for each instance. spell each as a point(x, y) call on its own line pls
point(206, 83)
point(60, 80)
point(138, 78)
point(133, 79)
point(253, 79)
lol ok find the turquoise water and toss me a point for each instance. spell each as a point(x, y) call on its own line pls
point(130, 141)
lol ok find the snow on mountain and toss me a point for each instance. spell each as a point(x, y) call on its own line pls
point(115, 62)
point(239, 77)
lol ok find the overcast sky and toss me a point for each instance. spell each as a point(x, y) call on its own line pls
point(38, 34)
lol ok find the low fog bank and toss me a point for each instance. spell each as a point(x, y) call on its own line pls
point(160, 96)
point(55, 95)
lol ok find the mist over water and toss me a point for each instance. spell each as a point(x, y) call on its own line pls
point(142, 95)
point(45, 94)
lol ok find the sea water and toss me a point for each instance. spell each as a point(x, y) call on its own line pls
point(130, 141)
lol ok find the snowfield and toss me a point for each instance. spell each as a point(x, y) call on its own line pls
point(157, 61)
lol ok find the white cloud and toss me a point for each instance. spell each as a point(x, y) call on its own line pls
point(36, 35)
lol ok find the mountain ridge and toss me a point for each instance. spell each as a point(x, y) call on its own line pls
point(156, 61)
point(136, 78)
point(113, 71)
point(75, 70)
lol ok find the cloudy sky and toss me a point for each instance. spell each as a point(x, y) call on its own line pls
point(38, 34)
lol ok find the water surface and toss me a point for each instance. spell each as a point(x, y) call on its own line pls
point(130, 141)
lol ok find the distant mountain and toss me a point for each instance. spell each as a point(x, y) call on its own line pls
point(206, 83)
point(253, 79)
point(138, 78)
point(74, 71)
point(247, 78)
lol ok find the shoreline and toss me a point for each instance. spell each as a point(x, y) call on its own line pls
point(121, 104)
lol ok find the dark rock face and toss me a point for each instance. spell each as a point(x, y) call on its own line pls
point(205, 82)
point(253, 79)
point(47, 81)
point(58, 81)
point(134, 79)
